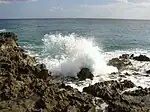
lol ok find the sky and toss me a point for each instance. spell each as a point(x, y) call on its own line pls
point(121, 9)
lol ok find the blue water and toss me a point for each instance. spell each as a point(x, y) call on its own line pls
point(67, 45)
point(110, 34)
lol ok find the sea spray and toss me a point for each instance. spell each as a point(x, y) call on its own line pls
point(2, 30)
point(67, 54)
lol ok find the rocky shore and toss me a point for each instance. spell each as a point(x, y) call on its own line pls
point(26, 86)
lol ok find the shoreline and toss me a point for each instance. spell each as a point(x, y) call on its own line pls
point(27, 86)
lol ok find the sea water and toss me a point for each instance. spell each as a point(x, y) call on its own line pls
point(67, 45)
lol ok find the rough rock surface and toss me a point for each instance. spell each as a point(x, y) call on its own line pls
point(119, 101)
point(148, 71)
point(120, 62)
point(108, 89)
point(141, 58)
point(124, 56)
point(85, 73)
point(26, 86)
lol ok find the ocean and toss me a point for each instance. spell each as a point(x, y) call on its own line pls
point(67, 45)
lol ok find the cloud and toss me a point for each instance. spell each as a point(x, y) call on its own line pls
point(145, 3)
point(138, 1)
point(56, 8)
point(123, 1)
point(9, 1)
point(122, 10)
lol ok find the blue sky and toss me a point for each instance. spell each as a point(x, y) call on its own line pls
point(126, 9)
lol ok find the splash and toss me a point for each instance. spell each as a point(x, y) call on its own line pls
point(2, 30)
point(67, 54)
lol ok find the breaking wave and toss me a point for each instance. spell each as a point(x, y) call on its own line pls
point(2, 30)
point(67, 54)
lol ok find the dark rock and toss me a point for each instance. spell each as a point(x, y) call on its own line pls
point(127, 84)
point(132, 55)
point(26, 86)
point(141, 58)
point(85, 73)
point(71, 109)
point(132, 101)
point(138, 92)
point(119, 101)
point(41, 71)
point(41, 66)
point(127, 74)
point(40, 104)
point(108, 89)
point(119, 63)
point(6, 36)
point(124, 56)
point(148, 71)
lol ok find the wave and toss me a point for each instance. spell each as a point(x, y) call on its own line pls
point(67, 54)
point(2, 30)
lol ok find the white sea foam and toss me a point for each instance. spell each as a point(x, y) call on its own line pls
point(117, 53)
point(2, 30)
point(67, 54)
point(141, 78)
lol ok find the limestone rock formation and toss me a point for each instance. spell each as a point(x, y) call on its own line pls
point(26, 86)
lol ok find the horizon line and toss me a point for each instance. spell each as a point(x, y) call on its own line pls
point(73, 18)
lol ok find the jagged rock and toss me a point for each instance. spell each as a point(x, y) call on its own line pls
point(60, 98)
point(132, 101)
point(108, 90)
point(148, 71)
point(124, 56)
point(40, 104)
point(132, 55)
point(26, 86)
point(7, 36)
point(119, 101)
point(141, 58)
point(41, 71)
point(85, 73)
point(119, 63)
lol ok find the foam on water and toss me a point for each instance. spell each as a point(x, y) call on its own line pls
point(117, 53)
point(67, 54)
point(139, 69)
point(2, 30)
point(137, 72)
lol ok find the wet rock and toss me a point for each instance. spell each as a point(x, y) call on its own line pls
point(8, 40)
point(119, 101)
point(26, 86)
point(40, 104)
point(7, 36)
point(41, 71)
point(132, 101)
point(127, 74)
point(148, 71)
point(85, 73)
point(71, 109)
point(124, 56)
point(63, 100)
point(132, 55)
point(108, 89)
point(141, 58)
point(119, 63)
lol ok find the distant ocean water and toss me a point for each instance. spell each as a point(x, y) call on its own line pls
point(110, 34)
point(66, 45)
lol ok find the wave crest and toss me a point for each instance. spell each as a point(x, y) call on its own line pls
point(2, 30)
point(67, 54)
